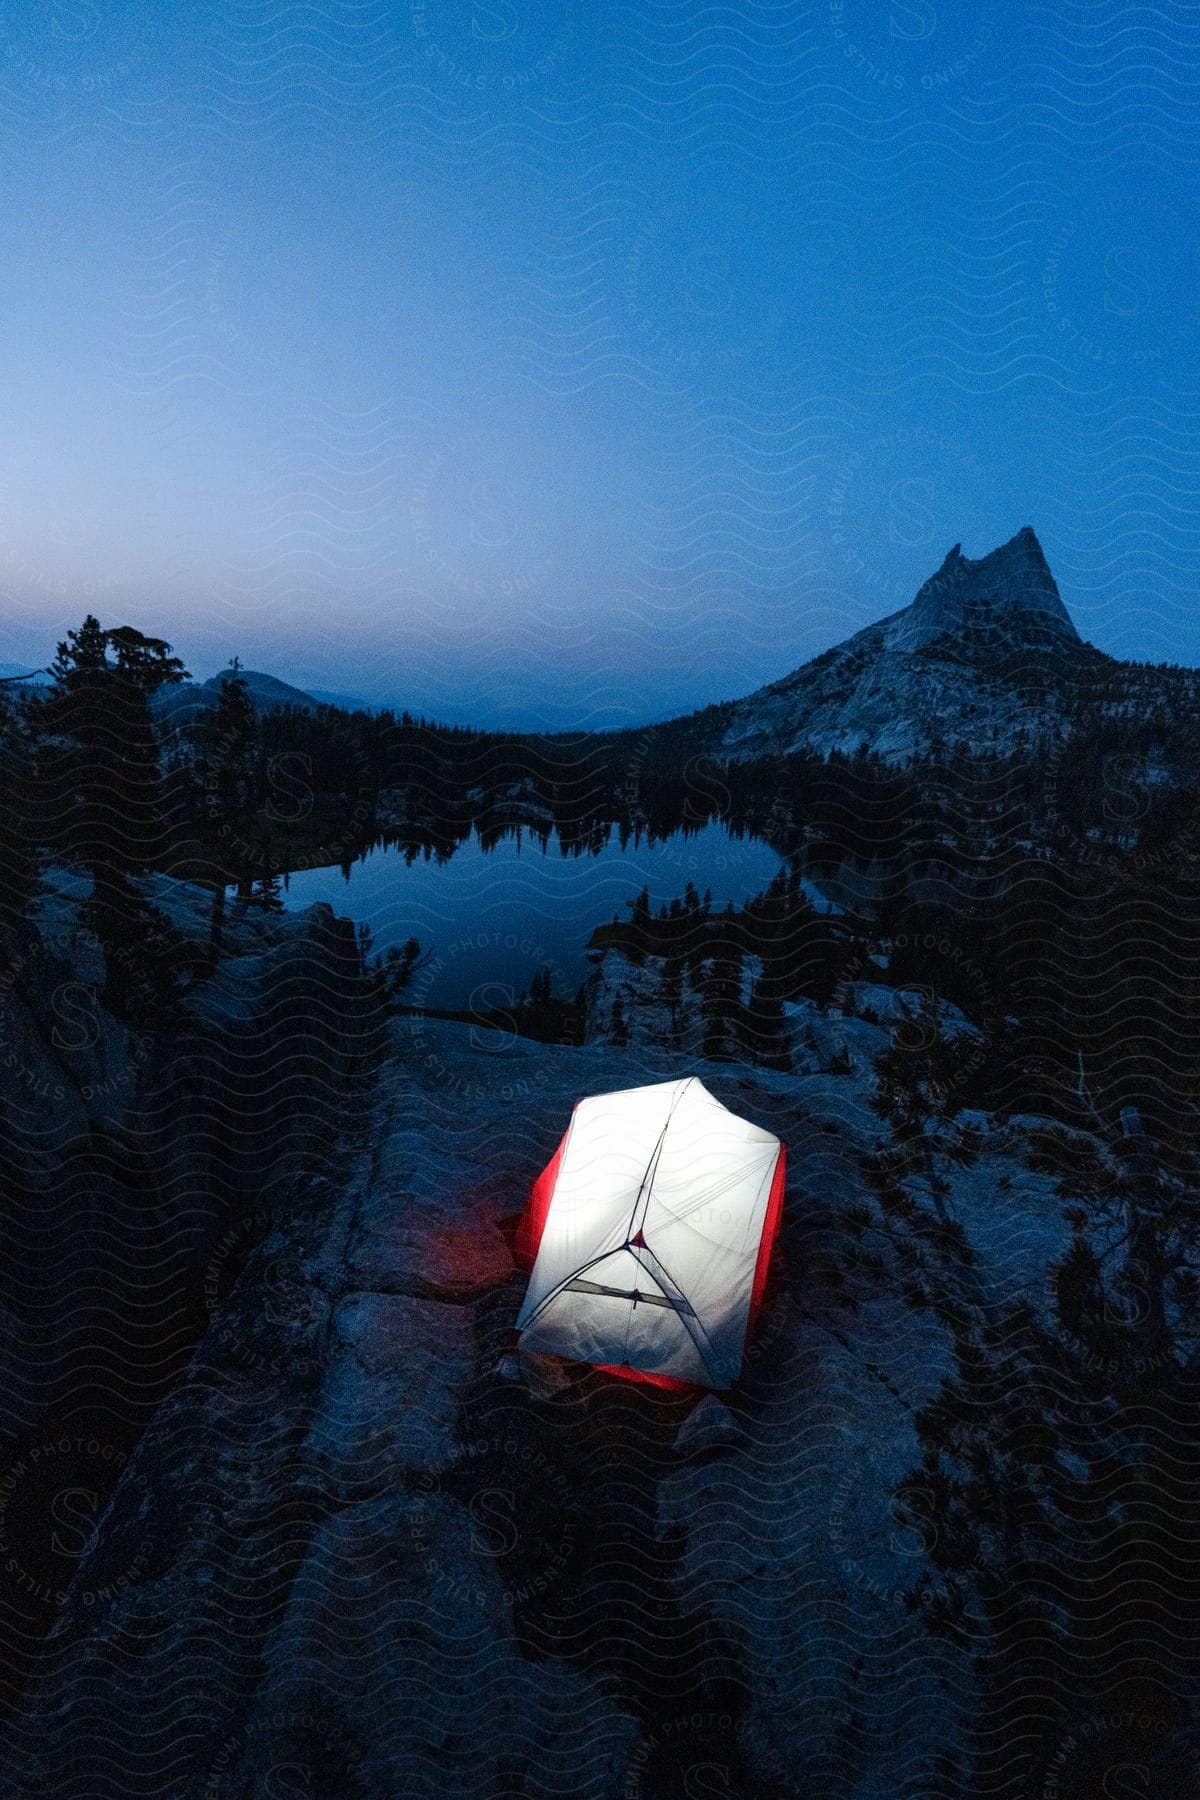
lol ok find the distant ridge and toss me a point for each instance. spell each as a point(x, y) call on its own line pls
point(347, 702)
point(192, 697)
point(264, 690)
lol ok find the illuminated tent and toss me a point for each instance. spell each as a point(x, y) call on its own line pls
point(649, 1233)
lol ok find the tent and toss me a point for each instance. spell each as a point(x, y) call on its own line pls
point(648, 1236)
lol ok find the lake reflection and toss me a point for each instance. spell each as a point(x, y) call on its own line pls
point(493, 918)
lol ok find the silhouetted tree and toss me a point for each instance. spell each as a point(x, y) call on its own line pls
point(18, 797)
point(764, 1028)
point(720, 1003)
point(103, 786)
point(267, 895)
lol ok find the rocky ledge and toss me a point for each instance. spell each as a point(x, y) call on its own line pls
point(352, 1554)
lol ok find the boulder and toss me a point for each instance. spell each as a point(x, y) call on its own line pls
point(709, 1426)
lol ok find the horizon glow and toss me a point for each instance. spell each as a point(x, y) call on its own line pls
point(521, 367)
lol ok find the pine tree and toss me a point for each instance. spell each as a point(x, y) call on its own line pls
point(84, 653)
point(230, 760)
point(19, 870)
point(101, 767)
point(671, 990)
point(913, 1079)
point(267, 894)
point(394, 972)
point(764, 1028)
point(721, 1004)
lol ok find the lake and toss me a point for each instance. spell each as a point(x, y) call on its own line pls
point(494, 918)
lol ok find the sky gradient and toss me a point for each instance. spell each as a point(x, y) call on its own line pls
point(566, 365)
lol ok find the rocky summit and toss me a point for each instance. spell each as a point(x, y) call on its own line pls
point(1007, 601)
point(981, 656)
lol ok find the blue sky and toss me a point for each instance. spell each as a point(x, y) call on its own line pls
point(569, 364)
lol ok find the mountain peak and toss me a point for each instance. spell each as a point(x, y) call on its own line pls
point(983, 656)
point(979, 609)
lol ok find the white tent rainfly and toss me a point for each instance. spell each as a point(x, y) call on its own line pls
point(650, 1233)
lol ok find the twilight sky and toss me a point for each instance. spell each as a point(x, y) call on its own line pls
point(566, 364)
